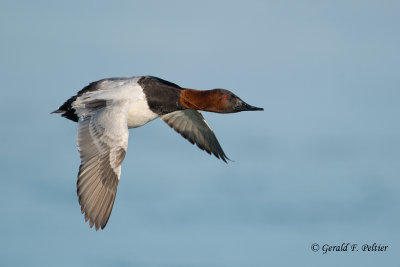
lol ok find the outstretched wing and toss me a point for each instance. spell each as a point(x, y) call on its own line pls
point(192, 126)
point(102, 144)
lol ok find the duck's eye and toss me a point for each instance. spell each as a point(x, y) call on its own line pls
point(224, 96)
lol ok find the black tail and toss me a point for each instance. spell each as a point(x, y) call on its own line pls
point(67, 110)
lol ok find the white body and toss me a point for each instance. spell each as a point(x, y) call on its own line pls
point(119, 92)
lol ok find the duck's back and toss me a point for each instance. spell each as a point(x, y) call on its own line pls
point(113, 89)
point(158, 95)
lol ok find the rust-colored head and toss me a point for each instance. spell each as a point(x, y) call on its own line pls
point(216, 100)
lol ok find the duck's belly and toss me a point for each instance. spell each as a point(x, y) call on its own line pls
point(139, 114)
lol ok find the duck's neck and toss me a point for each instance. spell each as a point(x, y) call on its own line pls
point(206, 100)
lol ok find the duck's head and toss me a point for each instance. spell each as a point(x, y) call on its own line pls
point(215, 100)
point(230, 103)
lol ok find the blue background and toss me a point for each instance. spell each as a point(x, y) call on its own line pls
point(319, 165)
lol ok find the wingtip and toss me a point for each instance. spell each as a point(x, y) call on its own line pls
point(226, 159)
point(223, 157)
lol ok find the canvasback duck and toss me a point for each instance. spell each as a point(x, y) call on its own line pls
point(105, 109)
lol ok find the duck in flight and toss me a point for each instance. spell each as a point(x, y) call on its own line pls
point(107, 108)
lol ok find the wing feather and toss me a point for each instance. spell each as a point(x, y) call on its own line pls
point(102, 143)
point(193, 127)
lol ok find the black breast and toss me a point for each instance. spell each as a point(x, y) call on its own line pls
point(162, 96)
